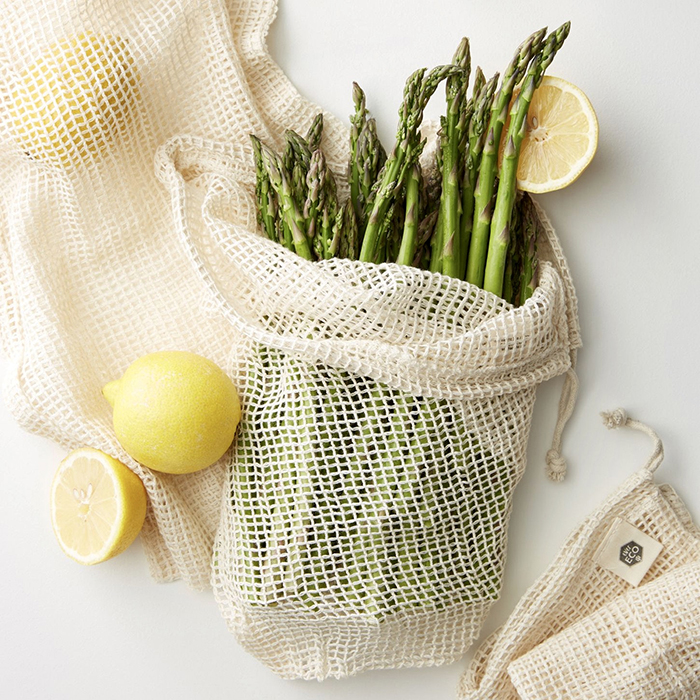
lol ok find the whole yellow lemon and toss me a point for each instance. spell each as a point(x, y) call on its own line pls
point(68, 105)
point(175, 412)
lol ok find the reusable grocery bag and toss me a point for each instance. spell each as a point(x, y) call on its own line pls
point(616, 615)
point(386, 412)
point(91, 274)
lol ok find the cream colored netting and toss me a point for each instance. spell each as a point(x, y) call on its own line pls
point(386, 412)
point(583, 632)
point(91, 276)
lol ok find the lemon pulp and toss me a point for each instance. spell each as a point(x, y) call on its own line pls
point(561, 138)
point(98, 506)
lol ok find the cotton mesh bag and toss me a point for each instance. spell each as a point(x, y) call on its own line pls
point(91, 275)
point(386, 412)
point(616, 615)
point(104, 259)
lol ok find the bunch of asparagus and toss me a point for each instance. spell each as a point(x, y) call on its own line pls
point(463, 217)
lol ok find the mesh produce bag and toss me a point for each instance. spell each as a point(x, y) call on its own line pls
point(386, 413)
point(616, 615)
point(91, 276)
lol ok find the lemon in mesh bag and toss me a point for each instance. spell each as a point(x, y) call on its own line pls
point(68, 105)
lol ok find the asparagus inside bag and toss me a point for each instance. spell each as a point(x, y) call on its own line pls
point(349, 527)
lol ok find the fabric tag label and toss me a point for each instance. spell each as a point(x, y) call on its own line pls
point(627, 551)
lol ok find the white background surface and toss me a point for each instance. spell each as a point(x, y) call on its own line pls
point(629, 227)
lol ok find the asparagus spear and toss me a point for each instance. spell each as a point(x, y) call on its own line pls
point(529, 274)
point(448, 218)
point(349, 240)
point(315, 198)
point(498, 242)
point(314, 134)
point(431, 190)
point(323, 241)
point(426, 228)
point(265, 195)
point(371, 157)
point(514, 265)
point(297, 157)
point(279, 179)
point(409, 240)
point(476, 135)
point(483, 193)
point(419, 88)
point(357, 124)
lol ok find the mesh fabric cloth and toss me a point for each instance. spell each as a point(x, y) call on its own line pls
point(332, 556)
point(583, 632)
point(91, 277)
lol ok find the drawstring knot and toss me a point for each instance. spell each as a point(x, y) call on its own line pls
point(619, 418)
point(614, 419)
point(556, 466)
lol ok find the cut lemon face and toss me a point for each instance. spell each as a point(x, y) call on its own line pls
point(98, 506)
point(561, 139)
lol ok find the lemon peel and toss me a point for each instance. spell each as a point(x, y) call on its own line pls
point(174, 412)
point(68, 105)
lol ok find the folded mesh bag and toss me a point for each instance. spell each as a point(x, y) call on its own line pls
point(616, 615)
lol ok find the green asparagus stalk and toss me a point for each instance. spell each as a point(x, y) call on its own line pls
point(315, 198)
point(357, 124)
point(315, 133)
point(483, 194)
point(371, 157)
point(474, 146)
point(406, 152)
point(289, 211)
point(297, 157)
point(426, 228)
point(409, 240)
point(448, 218)
point(265, 196)
point(530, 270)
point(299, 148)
point(323, 242)
point(348, 247)
point(499, 230)
point(514, 264)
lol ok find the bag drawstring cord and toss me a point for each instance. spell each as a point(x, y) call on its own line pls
point(556, 464)
point(618, 418)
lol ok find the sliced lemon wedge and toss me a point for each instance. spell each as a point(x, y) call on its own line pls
point(561, 139)
point(98, 506)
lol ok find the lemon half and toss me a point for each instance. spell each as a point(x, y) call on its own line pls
point(98, 506)
point(561, 139)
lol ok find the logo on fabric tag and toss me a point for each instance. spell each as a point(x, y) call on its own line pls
point(631, 553)
point(627, 551)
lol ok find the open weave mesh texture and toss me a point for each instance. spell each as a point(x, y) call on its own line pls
point(386, 412)
point(104, 258)
point(583, 632)
point(91, 275)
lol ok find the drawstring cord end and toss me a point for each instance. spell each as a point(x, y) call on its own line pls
point(614, 419)
point(556, 464)
point(619, 418)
